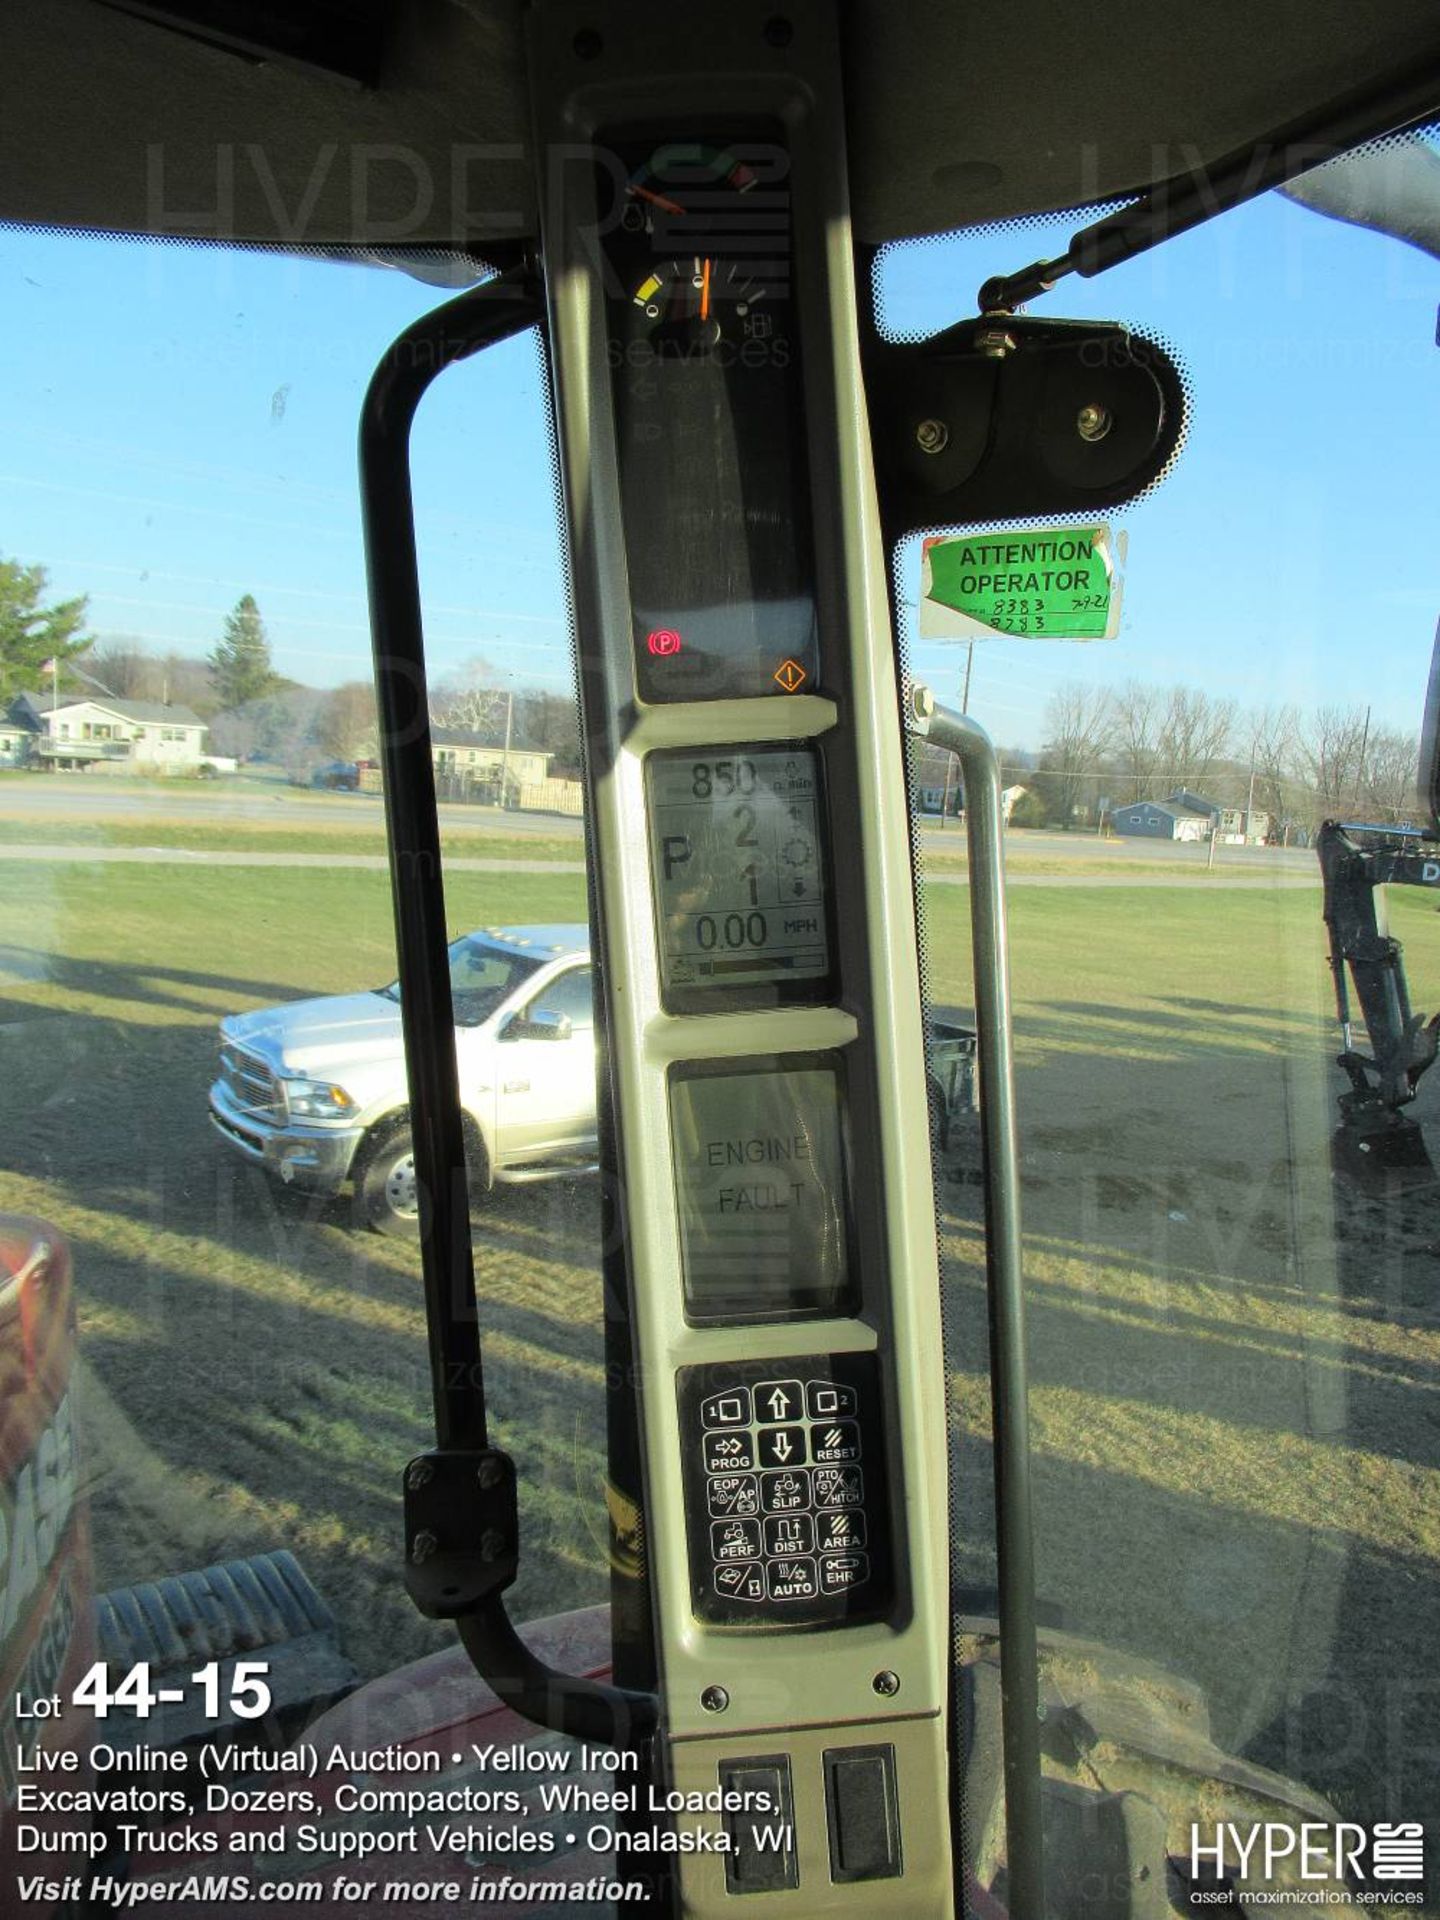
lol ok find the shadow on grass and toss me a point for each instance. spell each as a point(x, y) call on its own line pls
point(270, 1364)
point(136, 983)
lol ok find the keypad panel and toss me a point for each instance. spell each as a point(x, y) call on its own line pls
point(784, 1485)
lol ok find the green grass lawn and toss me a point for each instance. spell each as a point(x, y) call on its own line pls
point(1236, 1387)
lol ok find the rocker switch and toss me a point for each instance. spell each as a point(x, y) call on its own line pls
point(762, 1859)
point(863, 1810)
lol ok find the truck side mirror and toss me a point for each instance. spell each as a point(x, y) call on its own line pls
point(538, 1024)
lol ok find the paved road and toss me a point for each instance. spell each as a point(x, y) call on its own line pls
point(103, 799)
point(160, 856)
point(100, 799)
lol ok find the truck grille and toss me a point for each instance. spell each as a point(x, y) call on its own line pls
point(249, 1082)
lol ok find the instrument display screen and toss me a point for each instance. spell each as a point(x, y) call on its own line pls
point(709, 426)
point(741, 871)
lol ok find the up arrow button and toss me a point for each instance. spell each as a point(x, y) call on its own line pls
point(779, 1400)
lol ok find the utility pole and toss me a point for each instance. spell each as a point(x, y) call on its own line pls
point(505, 759)
point(1364, 744)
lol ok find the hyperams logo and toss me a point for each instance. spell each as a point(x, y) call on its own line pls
point(1380, 1865)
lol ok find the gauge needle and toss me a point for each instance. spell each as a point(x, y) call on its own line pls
point(705, 292)
point(655, 199)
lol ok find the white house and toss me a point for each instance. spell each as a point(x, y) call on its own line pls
point(99, 731)
point(470, 767)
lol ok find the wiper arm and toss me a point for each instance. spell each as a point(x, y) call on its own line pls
point(1402, 98)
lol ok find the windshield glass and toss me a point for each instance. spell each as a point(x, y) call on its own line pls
point(1234, 1340)
point(192, 828)
point(482, 978)
point(1235, 1344)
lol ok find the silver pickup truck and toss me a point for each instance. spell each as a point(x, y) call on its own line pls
point(314, 1091)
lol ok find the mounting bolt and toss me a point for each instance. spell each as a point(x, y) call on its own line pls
point(420, 1475)
point(714, 1699)
point(492, 1544)
point(886, 1684)
point(1093, 422)
point(488, 1473)
point(994, 343)
point(922, 701)
point(932, 436)
point(422, 1546)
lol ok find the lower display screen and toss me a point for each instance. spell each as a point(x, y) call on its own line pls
point(761, 1187)
point(740, 866)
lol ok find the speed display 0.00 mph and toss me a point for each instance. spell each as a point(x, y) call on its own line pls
point(740, 869)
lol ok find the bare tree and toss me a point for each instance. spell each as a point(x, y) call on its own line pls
point(123, 665)
point(1136, 741)
point(1392, 764)
point(1194, 734)
point(346, 725)
point(1078, 727)
point(473, 698)
point(1269, 739)
point(1330, 752)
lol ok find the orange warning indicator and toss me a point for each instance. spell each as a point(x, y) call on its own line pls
point(791, 676)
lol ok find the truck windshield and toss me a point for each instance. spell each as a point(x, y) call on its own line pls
point(482, 978)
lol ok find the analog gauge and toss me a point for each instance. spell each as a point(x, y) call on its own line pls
point(709, 422)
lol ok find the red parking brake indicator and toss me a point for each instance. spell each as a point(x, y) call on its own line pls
point(790, 676)
point(663, 641)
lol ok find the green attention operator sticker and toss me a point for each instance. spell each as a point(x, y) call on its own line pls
point(1046, 583)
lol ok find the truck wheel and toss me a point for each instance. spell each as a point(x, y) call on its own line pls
point(385, 1186)
point(385, 1196)
point(939, 1116)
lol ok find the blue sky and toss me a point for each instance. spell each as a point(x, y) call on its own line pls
point(180, 428)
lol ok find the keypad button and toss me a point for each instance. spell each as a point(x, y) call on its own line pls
point(782, 1446)
point(837, 1532)
point(742, 1581)
point(735, 1540)
point(732, 1495)
point(787, 1492)
point(839, 1486)
point(729, 1409)
point(791, 1579)
point(824, 1400)
point(779, 1400)
point(835, 1443)
point(790, 1533)
point(729, 1452)
point(839, 1572)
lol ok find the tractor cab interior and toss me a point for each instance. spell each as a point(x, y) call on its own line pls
point(760, 559)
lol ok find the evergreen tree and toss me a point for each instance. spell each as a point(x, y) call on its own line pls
point(31, 635)
point(240, 665)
